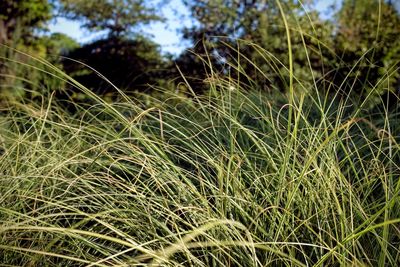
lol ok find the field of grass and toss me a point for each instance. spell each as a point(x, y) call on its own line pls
point(232, 178)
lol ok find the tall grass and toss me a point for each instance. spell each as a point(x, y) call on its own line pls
point(199, 181)
point(233, 178)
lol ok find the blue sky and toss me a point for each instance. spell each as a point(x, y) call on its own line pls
point(166, 34)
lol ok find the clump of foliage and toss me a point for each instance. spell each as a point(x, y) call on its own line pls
point(22, 27)
point(18, 81)
point(355, 53)
point(23, 17)
point(129, 64)
point(117, 18)
point(259, 27)
point(127, 59)
point(368, 43)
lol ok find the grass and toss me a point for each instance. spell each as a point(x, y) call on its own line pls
point(199, 181)
point(232, 178)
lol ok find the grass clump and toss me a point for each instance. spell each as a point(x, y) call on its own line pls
point(233, 179)
point(218, 182)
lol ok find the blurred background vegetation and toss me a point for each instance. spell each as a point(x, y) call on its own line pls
point(354, 51)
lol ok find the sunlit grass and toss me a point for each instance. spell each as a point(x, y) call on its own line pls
point(234, 177)
point(212, 180)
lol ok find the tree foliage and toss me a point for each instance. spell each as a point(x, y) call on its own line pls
point(368, 42)
point(117, 17)
point(262, 49)
point(24, 16)
point(357, 51)
point(123, 56)
point(20, 23)
point(129, 64)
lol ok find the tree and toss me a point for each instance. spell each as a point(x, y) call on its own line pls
point(20, 21)
point(58, 44)
point(368, 41)
point(262, 49)
point(129, 64)
point(23, 15)
point(124, 57)
point(117, 17)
